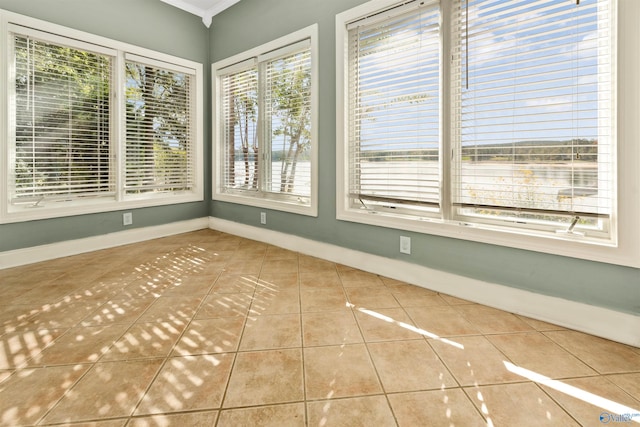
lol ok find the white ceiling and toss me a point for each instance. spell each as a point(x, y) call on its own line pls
point(206, 9)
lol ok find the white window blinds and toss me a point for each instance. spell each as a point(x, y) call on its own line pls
point(394, 107)
point(288, 122)
point(160, 140)
point(532, 108)
point(265, 105)
point(239, 103)
point(62, 112)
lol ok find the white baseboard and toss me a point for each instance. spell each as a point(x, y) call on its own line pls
point(25, 256)
point(598, 321)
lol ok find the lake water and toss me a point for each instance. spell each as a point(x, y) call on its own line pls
point(301, 184)
point(549, 186)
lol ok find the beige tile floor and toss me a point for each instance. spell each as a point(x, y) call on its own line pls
point(206, 329)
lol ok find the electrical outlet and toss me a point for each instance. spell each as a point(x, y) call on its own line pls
point(263, 217)
point(127, 218)
point(405, 245)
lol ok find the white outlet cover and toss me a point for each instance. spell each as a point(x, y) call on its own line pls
point(405, 245)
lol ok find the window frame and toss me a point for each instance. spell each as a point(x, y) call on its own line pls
point(38, 37)
point(622, 248)
point(412, 23)
point(192, 157)
point(260, 198)
point(543, 214)
point(10, 213)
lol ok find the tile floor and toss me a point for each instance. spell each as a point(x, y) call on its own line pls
point(206, 329)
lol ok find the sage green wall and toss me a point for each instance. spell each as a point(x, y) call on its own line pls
point(250, 23)
point(146, 23)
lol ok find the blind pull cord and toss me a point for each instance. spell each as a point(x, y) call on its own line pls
point(466, 41)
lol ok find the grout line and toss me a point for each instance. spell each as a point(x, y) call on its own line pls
point(71, 387)
point(169, 356)
point(302, 348)
point(560, 406)
point(368, 350)
point(240, 336)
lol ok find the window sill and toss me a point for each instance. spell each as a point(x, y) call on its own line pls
point(625, 252)
point(259, 201)
point(83, 207)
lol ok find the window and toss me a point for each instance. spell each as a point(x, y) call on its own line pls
point(266, 126)
point(394, 110)
point(239, 91)
point(484, 120)
point(62, 125)
point(159, 155)
point(532, 84)
point(65, 152)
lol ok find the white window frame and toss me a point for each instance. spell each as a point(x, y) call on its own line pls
point(12, 213)
point(259, 198)
point(623, 248)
